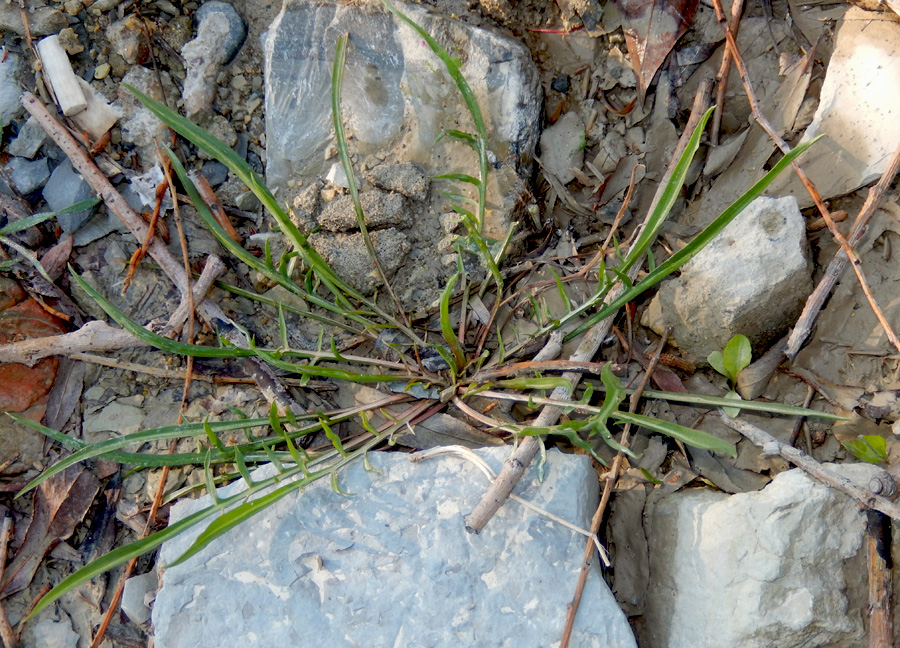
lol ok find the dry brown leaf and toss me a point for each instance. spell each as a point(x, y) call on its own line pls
point(60, 504)
point(652, 27)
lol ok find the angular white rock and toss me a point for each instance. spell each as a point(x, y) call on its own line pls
point(394, 566)
point(779, 567)
point(99, 115)
point(562, 147)
point(752, 279)
point(859, 110)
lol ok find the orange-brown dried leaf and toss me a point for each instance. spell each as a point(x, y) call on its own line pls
point(652, 27)
point(22, 386)
point(60, 504)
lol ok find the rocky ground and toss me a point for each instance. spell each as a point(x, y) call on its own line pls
point(583, 124)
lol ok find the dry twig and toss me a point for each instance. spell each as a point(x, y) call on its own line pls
point(814, 303)
point(7, 634)
point(772, 446)
point(609, 482)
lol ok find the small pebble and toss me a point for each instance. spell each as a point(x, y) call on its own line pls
point(561, 83)
point(69, 41)
point(101, 71)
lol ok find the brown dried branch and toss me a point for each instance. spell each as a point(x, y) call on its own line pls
point(722, 76)
point(609, 482)
point(836, 266)
point(100, 336)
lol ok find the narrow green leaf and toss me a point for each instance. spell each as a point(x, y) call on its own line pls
point(117, 557)
point(213, 437)
point(17, 226)
point(695, 438)
point(458, 176)
point(545, 382)
point(446, 327)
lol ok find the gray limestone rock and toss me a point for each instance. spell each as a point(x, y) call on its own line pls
point(562, 147)
point(220, 32)
point(134, 597)
point(65, 188)
point(28, 175)
point(29, 141)
point(753, 279)
point(397, 96)
point(140, 126)
point(394, 566)
point(10, 90)
point(381, 209)
point(348, 257)
point(779, 567)
point(407, 178)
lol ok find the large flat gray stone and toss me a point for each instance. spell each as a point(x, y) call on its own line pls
point(393, 565)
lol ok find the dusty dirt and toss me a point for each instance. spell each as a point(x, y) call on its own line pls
point(583, 70)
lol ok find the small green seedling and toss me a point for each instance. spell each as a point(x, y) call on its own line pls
point(730, 363)
point(870, 448)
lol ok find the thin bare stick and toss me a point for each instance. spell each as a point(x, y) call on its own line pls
point(7, 634)
point(814, 303)
point(722, 77)
point(517, 368)
point(609, 482)
point(100, 336)
point(212, 270)
point(93, 336)
point(772, 446)
point(521, 457)
point(879, 562)
point(804, 178)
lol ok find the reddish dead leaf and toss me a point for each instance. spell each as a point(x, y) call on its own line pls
point(60, 504)
point(55, 259)
point(21, 386)
point(668, 381)
point(652, 27)
point(11, 293)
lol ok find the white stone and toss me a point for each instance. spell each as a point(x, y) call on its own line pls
point(859, 110)
point(752, 279)
point(562, 147)
point(219, 34)
point(135, 594)
point(779, 567)
point(54, 634)
point(393, 565)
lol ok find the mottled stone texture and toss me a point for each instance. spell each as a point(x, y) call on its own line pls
point(393, 565)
